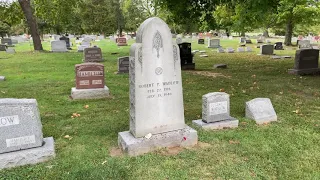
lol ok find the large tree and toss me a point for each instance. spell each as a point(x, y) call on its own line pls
point(28, 12)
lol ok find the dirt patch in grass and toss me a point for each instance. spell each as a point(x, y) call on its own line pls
point(116, 152)
point(176, 150)
point(208, 74)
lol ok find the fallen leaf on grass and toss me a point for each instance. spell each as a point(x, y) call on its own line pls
point(234, 142)
point(86, 106)
point(67, 137)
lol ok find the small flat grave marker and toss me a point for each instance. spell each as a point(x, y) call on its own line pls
point(260, 110)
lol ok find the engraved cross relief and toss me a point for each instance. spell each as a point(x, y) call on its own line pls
point(157, 42)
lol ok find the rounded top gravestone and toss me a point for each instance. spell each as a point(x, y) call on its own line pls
point(156, 99)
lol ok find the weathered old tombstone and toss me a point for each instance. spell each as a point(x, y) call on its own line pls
point(92, 54)
point(156, 98)
point(278, 46)
point(21, 138)
point(3, 47)
point(123, 64)
point(220, 66)
point(230, 50)
point(248, 49)
point(248, 41)
point(220, 50)
point(15, 41)
point(82, 47)
point(90, 83)
point(214, 43)
point(200, 41)
point(306, 62)
point(260, 110)
point(304, 44)
point(240, 49)
point(67, 40)
point(266, 49)
point(216, 112)
point(10, 50)
point(242, 40)
point(6, 41)
point(122, 41)
point(59, 46)
point(178, 40)
point(186, 57)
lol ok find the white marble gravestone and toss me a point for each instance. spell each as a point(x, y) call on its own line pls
point(230, 50)
point(59, 46)
point(213, 43)
point(220, 50)
point(260, 110)
point(240, 49)
point(304, 44)
point(156, 98)
point(216, 112)
point(178, 40)
point(21, 139)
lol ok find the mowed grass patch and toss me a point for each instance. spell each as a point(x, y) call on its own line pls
point(286, 149)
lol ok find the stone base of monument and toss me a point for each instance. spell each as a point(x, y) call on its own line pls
point(122, 44)
point(98, 93)
point(226, 124)
point(191, 66)
point(304, 71)
point(28, 156)
point(2, 78)
point(186, 137)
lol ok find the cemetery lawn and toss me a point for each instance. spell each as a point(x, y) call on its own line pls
point(86, 145)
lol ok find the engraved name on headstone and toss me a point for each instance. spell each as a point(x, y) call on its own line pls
point(93, 54)
point(89, 76)
point(20, 125)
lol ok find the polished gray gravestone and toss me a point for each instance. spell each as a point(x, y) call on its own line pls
point(123, 64)
point(216, 112)
point(21, 134)
point(260, 110)
point(306, 62)
point(266, 49)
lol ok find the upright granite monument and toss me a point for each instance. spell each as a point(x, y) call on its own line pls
point(186, 57)
point(306, 62)
point(90, 82)
point(21, 139)
point(92, 54)
point(156, 98)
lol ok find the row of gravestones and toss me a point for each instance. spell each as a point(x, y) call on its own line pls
point(156, 104)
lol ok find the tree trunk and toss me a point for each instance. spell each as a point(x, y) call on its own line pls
point(28, 13)
point(243, 34)
point(289, 31)
point(266, 33)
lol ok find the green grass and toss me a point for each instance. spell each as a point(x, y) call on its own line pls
point(286, 149)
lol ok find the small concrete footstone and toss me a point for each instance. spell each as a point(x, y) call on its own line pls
point(186, 137)
point(222, 66)
point(90, 93)
point(2, 78)
point(226, 124)
point(28, 156)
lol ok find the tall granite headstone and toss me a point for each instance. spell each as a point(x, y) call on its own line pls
point(278, 46)
point(186, 57)
point(156, 98)
point(216, 112)
point(306, 62)
point(21, 139)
